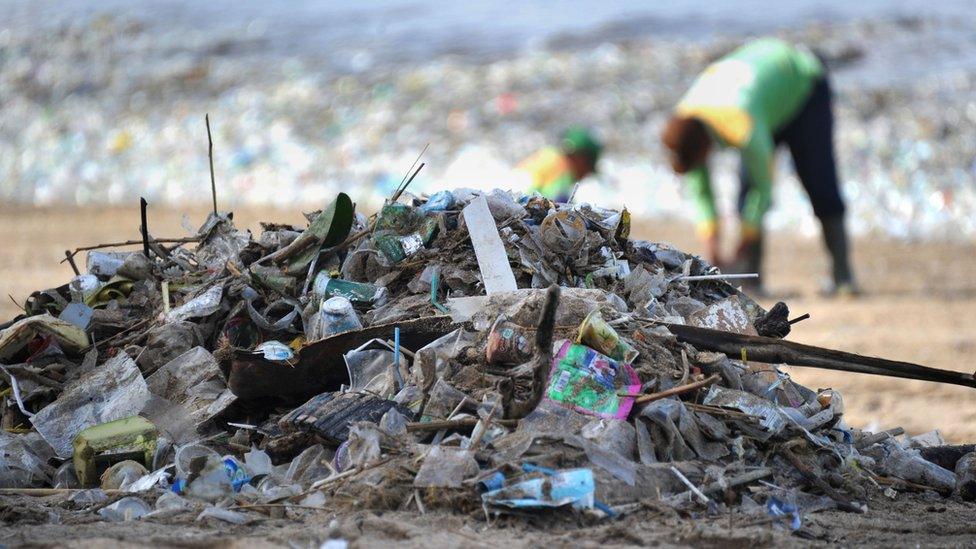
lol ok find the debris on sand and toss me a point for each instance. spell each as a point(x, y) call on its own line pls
point(481, 352)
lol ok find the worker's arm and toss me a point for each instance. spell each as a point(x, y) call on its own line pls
point(757, 156)
point(706, 216)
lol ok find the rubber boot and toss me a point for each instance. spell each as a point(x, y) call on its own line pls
point(835, 239)
point(749, 260)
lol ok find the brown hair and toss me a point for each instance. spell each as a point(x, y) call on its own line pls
point(688, 141)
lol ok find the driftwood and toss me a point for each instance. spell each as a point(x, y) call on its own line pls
point(777, 351)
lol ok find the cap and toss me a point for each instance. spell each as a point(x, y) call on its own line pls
point(579, 140)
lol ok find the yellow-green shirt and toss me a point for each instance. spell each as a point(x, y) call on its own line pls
point(551, 174)
point(744, 99)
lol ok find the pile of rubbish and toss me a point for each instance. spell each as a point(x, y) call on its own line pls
point(479, 352)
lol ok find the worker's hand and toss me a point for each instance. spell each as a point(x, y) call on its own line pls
point(712, 252)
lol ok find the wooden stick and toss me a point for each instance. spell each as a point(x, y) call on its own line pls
point(43, 492)
point(185, 240)
point(737, 480)
point(396, 195)
point(644, 399)
point(145, 228)
point(802, 317)
point(70, 258)
point(213, 184)
point(778, 351)
point(401, 187)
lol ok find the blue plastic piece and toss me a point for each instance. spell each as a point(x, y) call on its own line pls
point(778, 508)
point(570, 487)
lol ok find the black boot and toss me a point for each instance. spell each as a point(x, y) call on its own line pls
point(749, 260)
point(835, 239)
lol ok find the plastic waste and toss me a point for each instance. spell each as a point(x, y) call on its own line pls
point(508, 343)
point(82, 287)
point(370, 368)
point(335, 316)
point(205, 304)
point(169, 501)
point(24, 460)
point(14, 338)
point(258, 462)
point(591, 383)
point(778, 508)
point(909, 465)
point(104, 265)
point(133, 437)
point(275, 350)
point(128, 508)
point(122, 474)
point(225, 515)
point(966, 477)
point(78, 314)
point(438, 202)
point(496, 273)
point(772, 420)
point(572, 487)
point(596, 333)
point(446, 467)
point(360, 293)
point(65, 476)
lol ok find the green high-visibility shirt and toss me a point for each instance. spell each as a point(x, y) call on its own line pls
point(744, 99)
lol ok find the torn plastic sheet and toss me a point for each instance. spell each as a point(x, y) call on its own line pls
point(370, 367)
point(570, 487)
point(24, 460)
point(70, 337)
point(193, 381)
point(771, 418)
point(446, 467)
point(204, 304)
point(679, 435)
point(590, 382)
point(115, 390)
point(221, 242)
point(432, 361)
point(727, 315)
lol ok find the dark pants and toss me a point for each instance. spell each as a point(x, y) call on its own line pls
point(810, 138)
